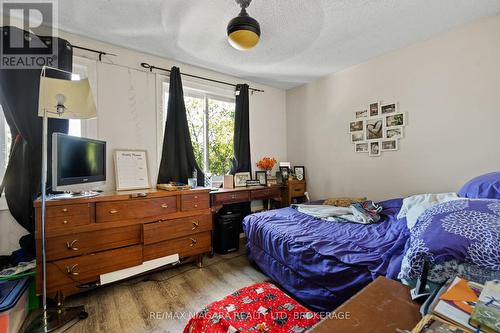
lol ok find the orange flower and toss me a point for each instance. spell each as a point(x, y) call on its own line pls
point(266, 163)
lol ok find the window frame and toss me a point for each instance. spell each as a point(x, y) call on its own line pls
point(192, 89)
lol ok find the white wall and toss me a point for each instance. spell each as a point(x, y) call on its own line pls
point(450, 88)
point(127, 115)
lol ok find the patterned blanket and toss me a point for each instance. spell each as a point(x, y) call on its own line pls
point(463, 230)
point(261, 307)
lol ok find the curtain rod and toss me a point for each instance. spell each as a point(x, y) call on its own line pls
point(101, 53)
point(152, 67)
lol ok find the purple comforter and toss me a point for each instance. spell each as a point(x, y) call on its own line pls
point(324, 263)
point(464, 230)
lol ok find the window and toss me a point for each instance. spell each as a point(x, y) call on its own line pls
point(211, 126)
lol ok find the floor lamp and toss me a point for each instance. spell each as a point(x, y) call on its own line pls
point(61, 99)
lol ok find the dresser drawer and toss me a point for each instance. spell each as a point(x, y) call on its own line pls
point(267, 193)
point(68, 210)
point(185, 247)
point(66, 222)
point(87, 268)
point(195, 201)
point(169, 229)
point(87, 242)
point(297, 189)
point(134, 209)
point(225, 198)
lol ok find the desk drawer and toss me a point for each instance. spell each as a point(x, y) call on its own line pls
point(87, 242)
point(67, 222)
point(87, 268)
point(68, 210)
point(135, 209)
point(194, 201)
point(169, 229)
point(228, 197)
point(297, 189)
point(267, 193)
point(185, 247)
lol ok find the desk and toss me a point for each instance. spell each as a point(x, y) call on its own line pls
point(382, 306)
point(224, 196)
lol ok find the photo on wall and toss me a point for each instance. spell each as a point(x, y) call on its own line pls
point(357, 136)
point(389, 145)
point(374, 129)
point(374, 148)
point(388, 108)
point(355, 126)
point(374, 111)
point(394, 133)
point(397, 119)
point(362, 114)
point(361, 147)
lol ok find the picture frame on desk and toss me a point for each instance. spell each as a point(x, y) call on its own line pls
point(240, 179)
point(131, 169)
point(285, 172)
point(261, 176)
point(300, 172)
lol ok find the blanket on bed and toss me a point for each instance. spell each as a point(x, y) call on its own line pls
point(463, 230)
point(359, 212)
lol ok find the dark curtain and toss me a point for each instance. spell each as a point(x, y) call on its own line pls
point(19, 100)
point(241, 160)
point(177, 158)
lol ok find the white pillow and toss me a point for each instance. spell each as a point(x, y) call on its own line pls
point(416, 204)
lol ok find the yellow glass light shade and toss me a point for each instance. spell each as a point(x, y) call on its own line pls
point(243, 39)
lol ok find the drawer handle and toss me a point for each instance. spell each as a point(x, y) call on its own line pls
point(233, 197)
point(193, 242)
point(164, 205)
point(71, 245)
point(195, 205)
point(297, 190)
point(65, 210)
point(65, 222)
point(196, 224)
point(196, 197)
point(71, 270)
point(113, 211)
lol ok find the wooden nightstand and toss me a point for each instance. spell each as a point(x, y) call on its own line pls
point(382, 306)
point(294, 189)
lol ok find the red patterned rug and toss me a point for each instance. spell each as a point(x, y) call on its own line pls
point(261, 307)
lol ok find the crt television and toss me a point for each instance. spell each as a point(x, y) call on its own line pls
point(78, 164)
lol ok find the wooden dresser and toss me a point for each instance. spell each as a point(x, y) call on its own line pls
point(87, 237)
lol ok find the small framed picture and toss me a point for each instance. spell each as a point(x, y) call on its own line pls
point(300, 172)
point(394, 133)
point(285, 172)
point(356, 126)
point(285, 164)
point(240, 179)
point(374, 109)
point(261, 176)
point(389, 108)
point(374, 129)
point(397, 119)
point(389, 145)
point(361, 147)
point(358, 136)
point(362, 114)
point(374, 148)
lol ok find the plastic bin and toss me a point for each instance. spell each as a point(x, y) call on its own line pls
point(13, 304)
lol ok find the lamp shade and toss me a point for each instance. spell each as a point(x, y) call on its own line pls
point(66, 99)
point(243, 31)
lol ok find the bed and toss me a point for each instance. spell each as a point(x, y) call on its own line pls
point(323, 263)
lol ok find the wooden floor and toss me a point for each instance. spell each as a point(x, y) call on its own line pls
point(174, 294)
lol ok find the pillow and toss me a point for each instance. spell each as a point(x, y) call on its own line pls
point(424, 200)
point(483, 187)
point(343, 202)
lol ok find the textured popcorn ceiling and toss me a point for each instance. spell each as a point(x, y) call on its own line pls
point(301, 40)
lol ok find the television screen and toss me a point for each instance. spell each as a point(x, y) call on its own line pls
point(77, 160)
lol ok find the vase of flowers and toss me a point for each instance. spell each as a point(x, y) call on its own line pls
point(267, 163)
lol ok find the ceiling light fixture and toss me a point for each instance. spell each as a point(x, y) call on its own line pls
point(243, 31)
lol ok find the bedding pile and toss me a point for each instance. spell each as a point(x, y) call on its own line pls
point(358, 212)
point(461, 234)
